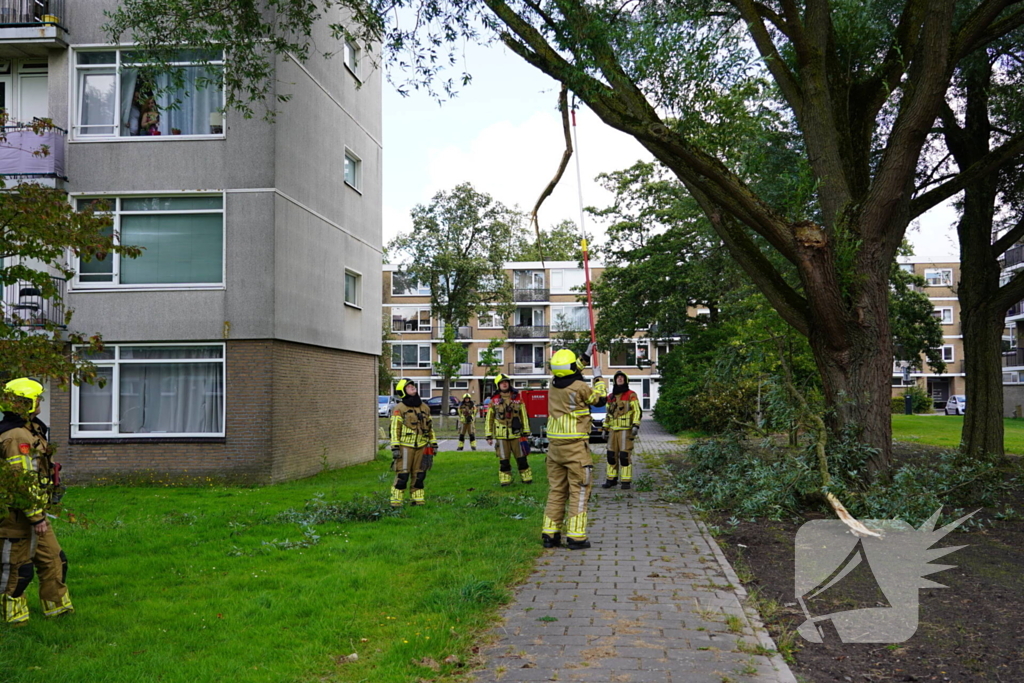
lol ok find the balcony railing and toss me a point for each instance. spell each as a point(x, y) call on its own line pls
point(464, 332)
point(1013, 256)
point(464, 370)
point(1013, 358)
point(528, 332)
point(410, 327)
point(24, 153)
point(31, 12)
point(24, 305)
point(531, 294)
point(1016, 309)
point(525, 369)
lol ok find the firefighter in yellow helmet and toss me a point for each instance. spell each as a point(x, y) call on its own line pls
point(622, 424)
point(505, 427)
point(27, 541)
point(413, 443)
point(467, 424)
point(570, 465)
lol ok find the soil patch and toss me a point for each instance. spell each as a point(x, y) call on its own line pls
point(969, 632)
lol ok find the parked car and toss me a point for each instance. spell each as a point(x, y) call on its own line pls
point(435, 405)
point(956, 405)
point(597, 416)
point(386, 405)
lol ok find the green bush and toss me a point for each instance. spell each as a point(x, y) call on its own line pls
point(922, 401)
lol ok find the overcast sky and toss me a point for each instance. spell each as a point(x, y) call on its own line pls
point(503, 134)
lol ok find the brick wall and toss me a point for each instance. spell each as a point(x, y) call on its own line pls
point(325, 404)
point(288, 406)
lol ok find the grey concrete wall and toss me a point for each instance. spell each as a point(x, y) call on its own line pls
point(1013, 396)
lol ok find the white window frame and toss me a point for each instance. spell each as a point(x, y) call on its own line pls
point(907, 268)
point(1011, 377)
point(420, 364)
point(353, 58)
point(460, 384)
point(358, 303)
point(115, 200)
point(491, 317)
point(499, 353)
point(422, 290)
point(558, 276)
point(945, 277)
point(942, 314)
point(637, 344)
point(952, 354)
point(419, 328)
point(357, 170)
point(75, 83)
point(559, 309)
point(115, 382)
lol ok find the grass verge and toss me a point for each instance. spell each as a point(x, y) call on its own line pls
point(944, 431)
point(283, 583)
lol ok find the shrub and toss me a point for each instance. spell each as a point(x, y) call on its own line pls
point(922, 401)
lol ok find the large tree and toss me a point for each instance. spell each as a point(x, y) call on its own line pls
point(860, 85)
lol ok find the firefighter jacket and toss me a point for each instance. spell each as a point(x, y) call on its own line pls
point(569, 407)
point(623, 411)
point(467, 411)
point(24, 450)
point(506, 417)
point(412, 426)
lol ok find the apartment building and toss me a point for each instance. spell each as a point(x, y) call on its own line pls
point(546, 310)
point(940, 286)
point(243, 343)
point(1013, 353)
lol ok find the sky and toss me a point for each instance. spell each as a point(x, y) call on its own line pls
point(503, 134)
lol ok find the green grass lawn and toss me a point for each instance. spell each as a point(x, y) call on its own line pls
point(213, 584)
point(944, 430)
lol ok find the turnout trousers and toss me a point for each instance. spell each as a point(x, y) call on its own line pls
point(467, 428)
point(506, 449)
point(410, 468)
point(20, 558)
point(620, 452)
point(570, 476)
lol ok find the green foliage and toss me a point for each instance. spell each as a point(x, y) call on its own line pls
point(450, 355)
point(560, 243)
point(921, 401)
point(318, 510)
point(385, 376)
point(915, 329)
point(490, 359)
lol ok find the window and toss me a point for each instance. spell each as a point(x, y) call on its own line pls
point(353, 55)
point(943, 315)
point(631, 355)
point(410, 356)
point(410, 319)
point(499, 356)
point(528, 279)
point(353, 171)
point(406, 285)
point(490, 321)
point(454, 384)
point(352, 280)
point(938, 277)
point(116, 99)
point(182, 236)
point(567, 280)
point(152, 391)
point(1011, 378)
point(570, 318)
point(947, 353)
point(907, 268)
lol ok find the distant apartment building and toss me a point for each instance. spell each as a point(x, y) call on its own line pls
point(546, 310)
point(940, 286)
point(1013, 352)
point(243, 343)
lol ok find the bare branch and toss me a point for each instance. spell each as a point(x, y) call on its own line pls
point(1008, 239)
point(780, 72)
point(563, 107)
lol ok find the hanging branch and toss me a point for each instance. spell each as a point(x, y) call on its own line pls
point(563, 107)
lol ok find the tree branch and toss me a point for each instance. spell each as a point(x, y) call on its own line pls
point(978, 25)
point(563, 107)
point(766, 47)
point(987, 164)
point(1008, 239)
point(908, 34)
point(1010, 293)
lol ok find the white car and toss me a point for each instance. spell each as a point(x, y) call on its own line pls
point(956, 405)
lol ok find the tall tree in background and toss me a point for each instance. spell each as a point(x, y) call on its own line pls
point(458, 246)
point(560, 243)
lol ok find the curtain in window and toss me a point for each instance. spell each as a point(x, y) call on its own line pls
point(146, 103)
point(96, 404)
point(186, 248)
point(173, 398)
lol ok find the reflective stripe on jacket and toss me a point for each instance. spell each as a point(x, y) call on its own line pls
point(412, 426)
point(623, 411)
point(569, 410)
point(501, 414)
point(23, 451)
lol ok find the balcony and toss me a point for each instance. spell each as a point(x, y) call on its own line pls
point(464, 332)
point(525, 369)
point(465, 370)
point(531, 294)
point(31, 28)
point(528, 332)
point(23, 305)
point(1014, 358)
point(1015, 310)
point(1014, 256)
point(27, 155)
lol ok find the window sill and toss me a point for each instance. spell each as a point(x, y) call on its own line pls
point(170, 288)
point(353, 72)
point(102, 440)
point(353, 187)
point(147, 138)
point(352, 305)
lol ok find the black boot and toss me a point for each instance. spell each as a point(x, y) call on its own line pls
point(552, 541)
point(626, 485)
point(577, 545)
point(610, 483)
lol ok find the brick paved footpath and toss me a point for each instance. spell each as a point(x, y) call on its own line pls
point(653, 601)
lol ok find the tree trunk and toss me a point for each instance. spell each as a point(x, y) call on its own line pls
point(446, 392)
point(982, 329)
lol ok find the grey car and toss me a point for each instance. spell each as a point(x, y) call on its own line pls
point(386, 405)
point(956, 405)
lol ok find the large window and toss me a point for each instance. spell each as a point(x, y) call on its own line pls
point(938, 277)
point(405, 285)
point(567, 280)
point(631, 355)
point(499, 355)
point(490, 321)
point(410, 356)
point(569, 318)
point(182, 239)
point(117, 98)
point(152, 391)
point(944, 315)
point(410, 319)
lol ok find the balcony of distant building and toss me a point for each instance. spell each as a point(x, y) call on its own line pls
point(24, 305)
point(31, 28)
point(32, 153)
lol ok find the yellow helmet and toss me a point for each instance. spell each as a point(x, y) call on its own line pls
point(565, 363)
point(26, 388)
point(465, 396)
point(499, 378)
point(400, 387)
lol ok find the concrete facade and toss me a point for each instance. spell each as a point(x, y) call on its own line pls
point(296, 354)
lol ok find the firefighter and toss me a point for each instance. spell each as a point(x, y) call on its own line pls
point(27, 541)
point(506, 427)
point(412, 443)
point(467, 425)
point(622, 424)
point(570, 465)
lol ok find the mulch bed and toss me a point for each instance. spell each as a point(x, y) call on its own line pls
point(970, 632)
